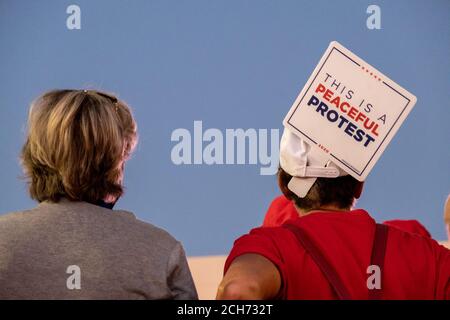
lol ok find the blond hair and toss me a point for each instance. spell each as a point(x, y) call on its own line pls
point(76, 144)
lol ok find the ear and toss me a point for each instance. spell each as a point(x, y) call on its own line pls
point(359, 189)
point(283, 179)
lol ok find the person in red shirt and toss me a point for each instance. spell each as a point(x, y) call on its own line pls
point(319, 248)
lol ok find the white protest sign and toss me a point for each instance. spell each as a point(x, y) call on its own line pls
point(349, 111)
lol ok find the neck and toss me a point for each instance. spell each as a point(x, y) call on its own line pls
point(328, 207)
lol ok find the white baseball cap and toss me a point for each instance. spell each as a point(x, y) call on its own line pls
point(304, 164)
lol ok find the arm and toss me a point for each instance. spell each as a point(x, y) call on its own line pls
point(250, 277)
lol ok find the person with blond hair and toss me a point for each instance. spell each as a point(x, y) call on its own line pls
point(73, 245)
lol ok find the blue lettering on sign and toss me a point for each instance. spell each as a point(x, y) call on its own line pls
point(349, 127)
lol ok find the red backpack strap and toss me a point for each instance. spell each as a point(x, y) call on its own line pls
point(329, 272)
point(378, 254)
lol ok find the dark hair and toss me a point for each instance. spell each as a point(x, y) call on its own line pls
point(339, 192)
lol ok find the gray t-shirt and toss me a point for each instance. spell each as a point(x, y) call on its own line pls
point(77, 250)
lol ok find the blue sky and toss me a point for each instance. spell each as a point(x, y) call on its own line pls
point(229, 64)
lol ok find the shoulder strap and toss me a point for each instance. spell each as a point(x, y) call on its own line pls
point(328, 271)
point(378, 254)
point(377, 258)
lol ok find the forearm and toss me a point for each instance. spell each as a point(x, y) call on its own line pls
point(239, 289)
point(250, 277)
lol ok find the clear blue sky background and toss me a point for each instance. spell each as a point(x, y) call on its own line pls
point(231, 64)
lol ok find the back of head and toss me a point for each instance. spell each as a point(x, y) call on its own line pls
point(337, 192)
point(311, 182)
point(76, 145)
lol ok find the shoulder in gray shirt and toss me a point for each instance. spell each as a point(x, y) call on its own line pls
point(76, 250)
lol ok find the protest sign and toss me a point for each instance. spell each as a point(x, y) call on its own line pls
point(349, 111)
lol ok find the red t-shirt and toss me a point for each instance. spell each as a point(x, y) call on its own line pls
point(282, 209)
point(415, 267)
